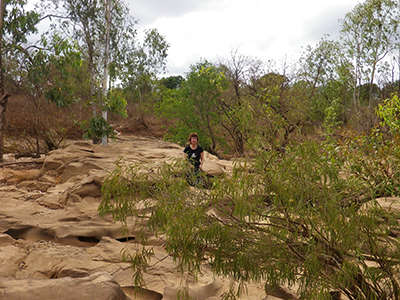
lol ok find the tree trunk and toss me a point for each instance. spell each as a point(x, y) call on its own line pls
point(398, 83)
point(4, 97)
point(371, 85)
point(314, 86)
point(3, 106)
point(91, 71)
point(106, 59)
point(239, 142)
point(2, 8)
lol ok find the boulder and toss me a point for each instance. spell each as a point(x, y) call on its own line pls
point(390, 203)
point(17, 176)
point(6, 239)
point(198, 292)
point(212, 168)
point(99, 286)
point(11, 260)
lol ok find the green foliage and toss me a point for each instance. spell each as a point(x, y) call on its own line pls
point(369, 33)
point(292, 218)
point(176, 106)
point(96, 128)
point(172, 82)
point(325, 71)
point(18, 23)
point(277, 110)
point(141, 63)
point(116, 103)
point(61, 67)
point(332, 113)
point(319, 63)
point(139, 67)
point(139, 263)
point(375, 161)
point(85, 22)
point(194, 104)
point(389, 112)
point(52, 71)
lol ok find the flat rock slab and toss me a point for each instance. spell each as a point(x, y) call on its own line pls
point(97, 286)
point(55, 246)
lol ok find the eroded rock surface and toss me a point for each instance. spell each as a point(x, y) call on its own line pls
point(53, 242)
point(99, 286)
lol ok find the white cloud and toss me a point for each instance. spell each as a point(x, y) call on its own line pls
point(211, 29)
point(147, 11)
point(260, 28)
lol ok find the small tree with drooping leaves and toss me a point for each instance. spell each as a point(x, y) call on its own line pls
point(306, 218)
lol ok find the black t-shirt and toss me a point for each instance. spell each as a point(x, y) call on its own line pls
point(194, 155)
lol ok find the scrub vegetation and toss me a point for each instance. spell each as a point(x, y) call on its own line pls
point(317, 143)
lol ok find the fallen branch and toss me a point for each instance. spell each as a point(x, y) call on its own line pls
point(27, 154)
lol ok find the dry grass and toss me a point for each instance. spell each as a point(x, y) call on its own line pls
point(141, 123)
point(53, 124)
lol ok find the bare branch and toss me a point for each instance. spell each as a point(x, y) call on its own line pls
point(54, 16)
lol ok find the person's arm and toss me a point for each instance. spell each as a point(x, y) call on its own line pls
point(201, 159)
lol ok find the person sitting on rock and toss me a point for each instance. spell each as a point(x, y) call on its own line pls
point(195, 155)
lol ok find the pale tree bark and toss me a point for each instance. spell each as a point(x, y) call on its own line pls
point(106, 61)
point(3, 95)
point(3, 106)
point(398, 64)
point(2, 7)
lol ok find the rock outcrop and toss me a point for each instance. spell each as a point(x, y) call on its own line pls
point(53, 243)
point(99, 286)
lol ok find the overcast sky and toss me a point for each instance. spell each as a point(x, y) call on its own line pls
point(211, 29)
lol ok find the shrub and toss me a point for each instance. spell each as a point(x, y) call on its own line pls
point(283, 219)
point(97, 128)
point(389, 112)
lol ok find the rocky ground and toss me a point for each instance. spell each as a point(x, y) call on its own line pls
point(54, 245)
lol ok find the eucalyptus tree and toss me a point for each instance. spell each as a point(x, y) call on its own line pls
point(396, 54)
point(141, 64)
point(102, 29)
point(106, 32)
point(326, 71)
point(318, 64)
point(106, 60)
point(368, 33)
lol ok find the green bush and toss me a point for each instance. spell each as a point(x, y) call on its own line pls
point(193, 107)
point(389, 112)
point(284, 219)
point(96, 128)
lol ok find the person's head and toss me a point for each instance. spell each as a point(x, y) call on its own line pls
point(193, 139)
